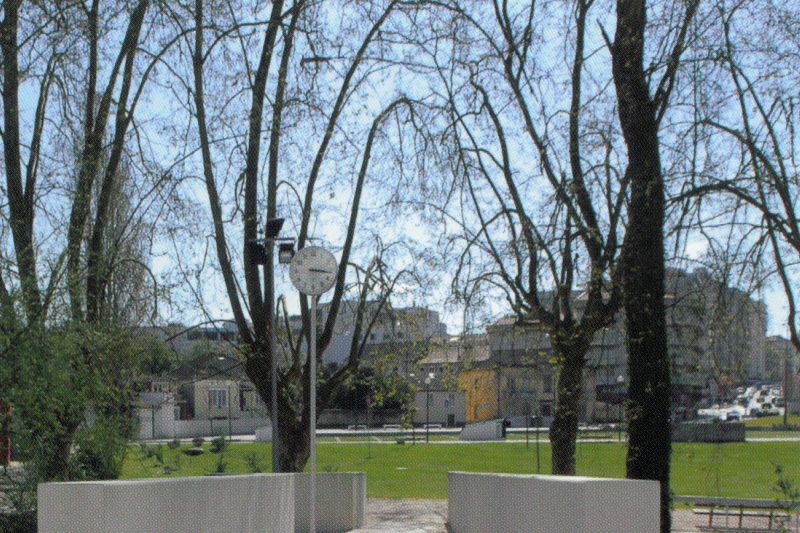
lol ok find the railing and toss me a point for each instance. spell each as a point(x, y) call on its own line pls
point(775, 513)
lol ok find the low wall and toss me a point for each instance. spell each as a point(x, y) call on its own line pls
point(341, 501)
point(240, 504)
point(489, 430)
point(166, 427)
point(550, 504)
point(711, 431)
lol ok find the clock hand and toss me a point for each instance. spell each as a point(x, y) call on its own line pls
point(320, 270)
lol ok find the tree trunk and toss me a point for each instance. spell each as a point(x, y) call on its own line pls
point(648, 410)
point(5, 433)
point(295, 449)
point(564, 430)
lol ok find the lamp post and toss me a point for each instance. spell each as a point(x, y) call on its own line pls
point(257, 250)
point(428, 406)
point(620, 385)
point(538, 455)
point(414, 412)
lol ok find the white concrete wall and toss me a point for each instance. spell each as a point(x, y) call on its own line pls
point(167, 427)
point(441, 404)
point(550, 504)
point(488, 430)
point(341, 501)
point(235, 504)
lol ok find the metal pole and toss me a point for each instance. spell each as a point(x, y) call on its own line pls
point(313, 417)
point(785, 388)
point(428, 411)
point(369, 439)
point(276, 443)
point(619, 425)
point(527, 425)
point(230, 429)
point(538, 456)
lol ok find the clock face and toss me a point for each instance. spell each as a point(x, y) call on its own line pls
point(313, 270)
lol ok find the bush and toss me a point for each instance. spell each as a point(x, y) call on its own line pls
point(100, 450)
point(154, 452)
point(18, 522)
point(198, 442)
point(174, 444)
point(253, 461)
point(221, 464)
point(218, 444)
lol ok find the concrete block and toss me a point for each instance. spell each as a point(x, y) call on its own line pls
point(251, 503)
point(708, 431)
point(551, 504)
point(264, 434)
point(488, 430)
point(341, 501)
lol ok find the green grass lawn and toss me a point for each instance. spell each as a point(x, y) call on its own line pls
point(769, 421)
point(420, 471)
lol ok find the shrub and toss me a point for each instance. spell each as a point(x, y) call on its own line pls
point(221, 464)
point(218, 444)
point(18, 522)
point(253, 461)
point(198, 442)
point(174, 444)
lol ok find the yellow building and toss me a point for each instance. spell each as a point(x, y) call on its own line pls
point(481, 387)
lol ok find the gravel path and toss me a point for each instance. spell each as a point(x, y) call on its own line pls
point(429, 516)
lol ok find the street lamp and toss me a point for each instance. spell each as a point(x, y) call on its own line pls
point(257, 252)
point(620, 384)
point(413, 427)
point(428, 406)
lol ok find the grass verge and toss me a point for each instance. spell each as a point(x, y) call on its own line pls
point(744, 470)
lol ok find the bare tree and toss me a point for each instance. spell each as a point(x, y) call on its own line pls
point(541, 204)
point(649, 389)
point(282, 92)
point(749, 117)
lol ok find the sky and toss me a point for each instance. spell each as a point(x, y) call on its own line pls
point(329, 228)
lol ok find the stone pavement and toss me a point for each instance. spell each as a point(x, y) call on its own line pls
point(412, 516)
point(429, 516)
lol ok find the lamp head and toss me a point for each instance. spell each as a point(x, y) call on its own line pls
point(273, 228)
point(285, 252)
point(257, 253)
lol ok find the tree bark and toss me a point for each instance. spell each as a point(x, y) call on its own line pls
point(20, 200)
point(648, 409)
point(564, 429)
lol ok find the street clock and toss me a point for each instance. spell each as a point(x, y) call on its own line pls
point(313, 270)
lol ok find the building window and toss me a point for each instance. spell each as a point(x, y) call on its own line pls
point(243, 400)
point(217, 399)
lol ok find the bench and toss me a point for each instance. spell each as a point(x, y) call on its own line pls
point(775, 513)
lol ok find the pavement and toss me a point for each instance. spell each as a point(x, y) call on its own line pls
point(430, 516)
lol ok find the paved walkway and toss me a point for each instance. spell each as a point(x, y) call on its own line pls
point(429, 516)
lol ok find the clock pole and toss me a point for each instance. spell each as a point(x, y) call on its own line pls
point(314, 273)
point(313, 424)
